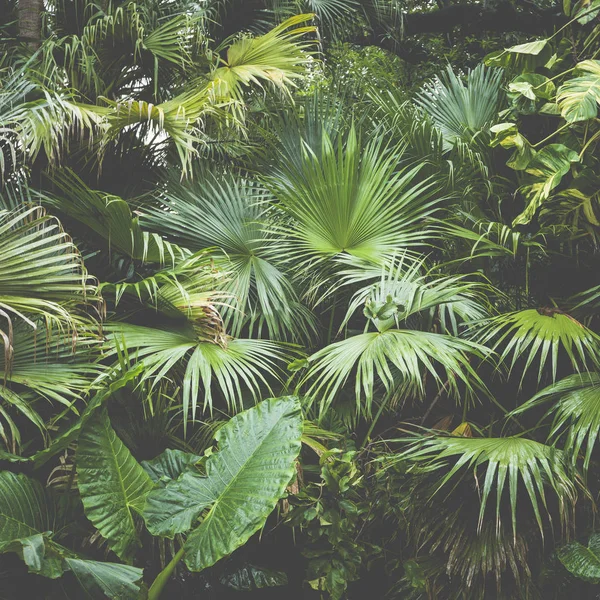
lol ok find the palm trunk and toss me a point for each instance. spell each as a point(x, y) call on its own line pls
point(30, 22)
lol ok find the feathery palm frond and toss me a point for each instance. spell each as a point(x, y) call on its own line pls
point(542, 335)
point(202, 366)
point(463, 111)
point(277, 57)
point(575, 404)
point(522, 461)
point(186, 291)
point(41, 273)
point(44, 367)
point(229, 213)
point(405, 289)
point(111, 218)
point(395, 358)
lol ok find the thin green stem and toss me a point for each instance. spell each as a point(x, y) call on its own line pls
point(161, 579)
point(551, 135)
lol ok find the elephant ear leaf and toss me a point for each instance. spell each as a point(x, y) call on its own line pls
point(112, 484)
point(243, 482)
point(101, 580)
point(582, 561)
point(170, 464)
point(24, 524)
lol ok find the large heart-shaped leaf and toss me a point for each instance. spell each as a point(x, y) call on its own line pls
point(102, 579)
point(113, 485)
point(578, 98)
point(170, 464)
point(25, 523)
point(243, 482)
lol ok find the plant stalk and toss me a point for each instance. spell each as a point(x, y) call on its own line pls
point(161, 579)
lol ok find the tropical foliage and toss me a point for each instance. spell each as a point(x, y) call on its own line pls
point(282, 314)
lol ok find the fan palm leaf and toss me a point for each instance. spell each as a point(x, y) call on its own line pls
point(404, 289)
point(41, 272)
point(350, 200)
point(228, 213)
point(48, 368)
point(395, 358)
point(463, 111)
point(235, 368)
point(542, 335)
point(575, 406)
point(539, 468)
point(278, 57)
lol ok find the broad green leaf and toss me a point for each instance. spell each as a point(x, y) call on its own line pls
point(523, 57)
point(578, 98)
point(170, 464)
point(25, 523)
point(113, 485)
point(587, 12)
point(582, 561)
point(244, 480)
point(546, 169)
point(101, 579)
point(532, 86)
point(507, 135)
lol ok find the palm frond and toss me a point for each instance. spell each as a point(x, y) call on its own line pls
point(111, 218)
point(575, 406)
point(41, 273)
point(277, 57)
point(236, 367)
point(523, 462)
point(541, 335)
point(463, 110)
point(230, 213)
point(44, 368)
point(396, 359)
point(351, 200)
point(404, 288)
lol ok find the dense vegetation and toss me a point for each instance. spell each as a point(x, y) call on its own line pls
point(299, 298)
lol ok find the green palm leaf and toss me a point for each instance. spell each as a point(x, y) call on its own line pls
point(232, 366)
point(113, 486)
point(404, 289)
point(517, 460)
point(543, 335)
point(463, 110)
point(575, 404)
point(47, 367)
point(277, 58)
point(350, 200)
point(244, 480)
point(394, 358)
point(112, 219)
point(230, 213)
point(41, 272)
